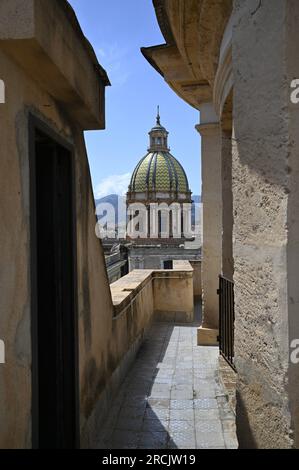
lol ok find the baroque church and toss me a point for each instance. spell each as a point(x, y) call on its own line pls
point(159, 208)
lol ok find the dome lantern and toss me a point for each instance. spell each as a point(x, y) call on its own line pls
point(158, 136)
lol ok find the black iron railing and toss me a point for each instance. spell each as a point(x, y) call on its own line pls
point(226, 319)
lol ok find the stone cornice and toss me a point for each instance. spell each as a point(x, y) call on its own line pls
point(208, 129)
point(189, 60)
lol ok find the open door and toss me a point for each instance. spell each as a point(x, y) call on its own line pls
point(54, 293)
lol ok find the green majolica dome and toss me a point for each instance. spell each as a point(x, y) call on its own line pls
point(158, 170)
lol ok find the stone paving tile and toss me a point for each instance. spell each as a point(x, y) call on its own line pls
point(131, 412)
point(155, 425)
point(134, 401)
point(177, 415)
point(200, 414)
point(158, 403)
point(205, 403)
point(157, 413)
point(183, 440)
point(152, 440)
point(182, 392)
point(205, 440)
point(129, 424)
point(203, 392)
point(124, 439)
point(230, 441)
point(171, 398)
point(181, 404)
point(208, 425)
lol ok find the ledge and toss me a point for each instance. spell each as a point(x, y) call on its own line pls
point(45, 39)
point(127, 288)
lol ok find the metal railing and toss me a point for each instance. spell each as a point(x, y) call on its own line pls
point(226, 319)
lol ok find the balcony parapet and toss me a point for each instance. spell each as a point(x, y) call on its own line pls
point(171, 291)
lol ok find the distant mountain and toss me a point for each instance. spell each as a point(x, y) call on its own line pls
point(110, 199)
point(114, 200)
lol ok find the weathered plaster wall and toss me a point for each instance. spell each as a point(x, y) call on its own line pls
point(15, 409)
point(292, 14)
point(261, 169)
point(95, 304)
point(173, 293)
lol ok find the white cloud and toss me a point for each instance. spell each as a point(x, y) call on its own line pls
point(113, 58)
point(114, 184)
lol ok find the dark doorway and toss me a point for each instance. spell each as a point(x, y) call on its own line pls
point(168, 264)
point(54, 318)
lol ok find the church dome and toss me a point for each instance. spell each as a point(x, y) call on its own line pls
point(159, 171)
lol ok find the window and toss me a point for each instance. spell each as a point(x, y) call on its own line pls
point(168, 264)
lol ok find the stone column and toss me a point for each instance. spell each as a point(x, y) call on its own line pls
point(209, 129)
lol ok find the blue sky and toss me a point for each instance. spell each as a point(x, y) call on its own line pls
point(117, 29)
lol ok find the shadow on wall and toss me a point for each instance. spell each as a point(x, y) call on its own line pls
point(244, 433)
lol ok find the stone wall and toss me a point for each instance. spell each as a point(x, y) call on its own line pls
point(173, 293)
point(263, 155)
point(25, 97)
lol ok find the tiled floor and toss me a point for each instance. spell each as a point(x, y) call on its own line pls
point(172, 397)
